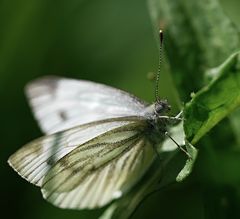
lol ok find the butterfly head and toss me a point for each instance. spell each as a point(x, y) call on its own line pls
point(157, 119)
point(161, 107)
point(157, 109)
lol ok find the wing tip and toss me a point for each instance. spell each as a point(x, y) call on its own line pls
point(48, 81)
point(10, 162)
point(17, 170)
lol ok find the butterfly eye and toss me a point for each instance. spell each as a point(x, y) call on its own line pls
point(162, 106)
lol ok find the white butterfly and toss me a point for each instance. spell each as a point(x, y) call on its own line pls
point(99, 143)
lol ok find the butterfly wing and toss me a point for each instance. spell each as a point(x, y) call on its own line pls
point(99, 171)
point(61, 103)
point(34, 160)
point(77, 173)
point(96, 161)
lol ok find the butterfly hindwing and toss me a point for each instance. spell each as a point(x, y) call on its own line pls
point(89, 165)
point(34, 160)
point(109, 168)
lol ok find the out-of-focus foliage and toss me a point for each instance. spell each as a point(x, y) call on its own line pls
point(113, 42)
point(199, 37)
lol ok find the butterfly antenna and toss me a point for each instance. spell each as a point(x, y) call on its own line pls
point(159, 65)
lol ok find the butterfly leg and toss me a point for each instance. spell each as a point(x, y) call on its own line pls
point(171, 118)
point(179, 146)
point(179, 115)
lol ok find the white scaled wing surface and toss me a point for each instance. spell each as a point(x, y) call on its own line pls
point(99, 171)
point(61, 103)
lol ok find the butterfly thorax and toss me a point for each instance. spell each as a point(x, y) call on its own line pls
point(157, 120)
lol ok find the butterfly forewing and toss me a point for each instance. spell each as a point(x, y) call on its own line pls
point(61, 103)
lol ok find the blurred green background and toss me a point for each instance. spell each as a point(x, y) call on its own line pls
point(111, 42)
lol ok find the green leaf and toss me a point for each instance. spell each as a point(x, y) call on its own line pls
point(187, 169)
point(234, 121)
point(215, 101)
